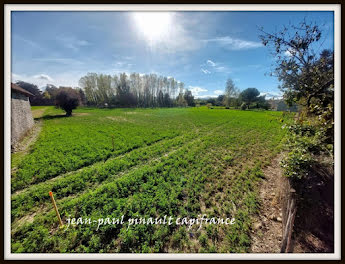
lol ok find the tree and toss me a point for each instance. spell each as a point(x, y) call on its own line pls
point(181, 101)
point(211, 100)
point(82, 97)
point(37, 98)
point(49, 94)
point(67, 99)
point(261, 102)
point(160, 99)
point(147, 90)
point(189, 98)
point(249, 96)
point(307, 77)
point(304, 76)
point(167, 100)
point(220, 100)
point(230, 92)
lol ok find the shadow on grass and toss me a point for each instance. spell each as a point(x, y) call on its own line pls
point(49, 117)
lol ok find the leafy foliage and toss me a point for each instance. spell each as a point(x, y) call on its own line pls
point(249, 95)
point(67, 99)
point(134, 90)
point(307, 79)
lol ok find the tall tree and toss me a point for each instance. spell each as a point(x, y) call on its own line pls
point(230, 92)
point(307, 76)
point(147, 90)
point(304, 75)
point(249, 96)
point(189, 98)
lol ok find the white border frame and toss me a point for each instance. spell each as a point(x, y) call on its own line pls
point(174, 7)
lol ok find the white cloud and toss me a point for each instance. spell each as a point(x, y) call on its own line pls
point(215, 67)
point(289, 52)
point(218, 92)
point(222, 69)
point(65, 61)
point(234, 43)
point(196, 90)
point(70, 78)
point(15, 77)
point(206, 96)
point(72, 42)
point(205, 71)
point(271, 95)
point(38, 79)
point(122, 65)
point(26, 41)
point(211, 63)
point(43, 77)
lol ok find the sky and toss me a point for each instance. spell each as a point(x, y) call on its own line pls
point(200, 49)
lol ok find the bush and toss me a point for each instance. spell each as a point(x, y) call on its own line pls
point(305, 142)
point(209, 106)
point(243, 106)
point(67, 99)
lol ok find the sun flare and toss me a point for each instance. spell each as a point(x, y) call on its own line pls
point(153, 25)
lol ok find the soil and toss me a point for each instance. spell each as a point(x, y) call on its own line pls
point(267, 229)
point(314, 223)
point(37, 113)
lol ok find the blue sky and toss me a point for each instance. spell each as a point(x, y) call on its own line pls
point(201, 49)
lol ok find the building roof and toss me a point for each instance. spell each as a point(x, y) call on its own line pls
point(19, 89)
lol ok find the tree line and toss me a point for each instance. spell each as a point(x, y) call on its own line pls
point(233, 97)
point(134, 90)
point(102, 90)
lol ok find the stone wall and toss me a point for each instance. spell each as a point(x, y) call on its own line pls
point(21, 117)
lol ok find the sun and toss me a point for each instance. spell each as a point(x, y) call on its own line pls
point(154, 26)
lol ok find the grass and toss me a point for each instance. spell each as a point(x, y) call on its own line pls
point(180, 162)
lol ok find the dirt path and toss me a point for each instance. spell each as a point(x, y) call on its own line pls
point(37, 113)
point(267, 228)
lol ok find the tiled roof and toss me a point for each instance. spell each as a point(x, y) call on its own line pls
point(19, 89)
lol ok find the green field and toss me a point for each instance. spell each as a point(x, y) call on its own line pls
point(179, 162)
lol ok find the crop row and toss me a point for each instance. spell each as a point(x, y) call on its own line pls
point(60, 150)
point(148, 190)
point(66, 145)
point(37, 194)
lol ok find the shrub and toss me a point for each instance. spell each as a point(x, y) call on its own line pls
point(304, 142)
point(67, 99)
point(243, 106)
